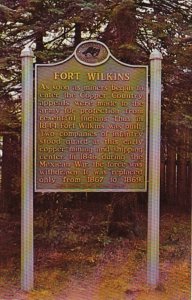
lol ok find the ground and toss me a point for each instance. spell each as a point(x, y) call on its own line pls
point(90, 266)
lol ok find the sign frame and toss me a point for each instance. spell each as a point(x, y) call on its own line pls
point(107, 55)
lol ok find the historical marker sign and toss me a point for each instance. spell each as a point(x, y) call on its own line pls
point(90, 135)
point(91, 123)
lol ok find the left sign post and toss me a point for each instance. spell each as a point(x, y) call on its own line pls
point(27, 263)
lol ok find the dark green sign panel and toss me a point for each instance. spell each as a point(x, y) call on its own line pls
point(91, 123)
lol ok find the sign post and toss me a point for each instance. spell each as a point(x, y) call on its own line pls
point(27, 171)
point(154, 169)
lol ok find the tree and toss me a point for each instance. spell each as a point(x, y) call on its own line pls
point(131, 29)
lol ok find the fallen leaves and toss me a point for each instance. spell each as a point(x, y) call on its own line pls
point(98, 268)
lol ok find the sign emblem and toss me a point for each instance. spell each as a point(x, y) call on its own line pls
point(91, 53)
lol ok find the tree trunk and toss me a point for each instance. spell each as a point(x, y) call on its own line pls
point(77, 34)
point(10, 174)
point(123, 221)
point(7, 172)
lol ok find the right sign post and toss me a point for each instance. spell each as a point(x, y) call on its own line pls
point(154, 169)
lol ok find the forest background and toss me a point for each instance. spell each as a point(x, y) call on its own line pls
point(83, 224)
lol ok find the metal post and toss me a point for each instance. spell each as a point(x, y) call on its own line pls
point(154, 169)
point(27, 171)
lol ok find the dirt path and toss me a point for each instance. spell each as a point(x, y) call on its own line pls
point(118, 272)
point(112, 281)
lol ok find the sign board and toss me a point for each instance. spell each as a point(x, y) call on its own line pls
point(91, 120)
